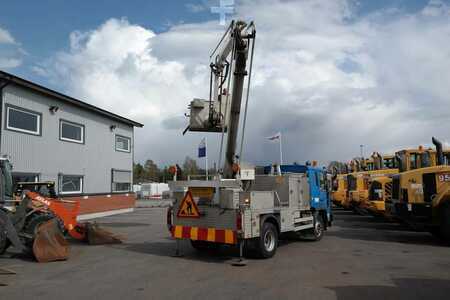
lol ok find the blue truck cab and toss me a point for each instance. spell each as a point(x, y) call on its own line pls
point(319, 193)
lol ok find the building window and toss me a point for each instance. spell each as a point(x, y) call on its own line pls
point(123, 143)
point(71, 132)
point(23, 120)
point(71, 184)
point(121, 180)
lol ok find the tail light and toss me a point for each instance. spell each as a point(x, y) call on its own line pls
point(239, 221)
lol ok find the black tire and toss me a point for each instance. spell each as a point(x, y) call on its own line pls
point(203, 245)
point(32, 225)
point(436, 232)
point(444, 228)
point(4, 241)
point(267, 243)
point(319, 227)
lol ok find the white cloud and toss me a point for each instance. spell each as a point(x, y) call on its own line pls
point(9, 63)
point(195, 8)
point(329, 79)
point(6, 37)
point(10, 51)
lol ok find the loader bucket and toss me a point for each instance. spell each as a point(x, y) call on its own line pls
point(100, 236)
point(49, 243)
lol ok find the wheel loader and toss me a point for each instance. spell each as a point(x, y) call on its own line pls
point(359, 182)
point(421, 197)
point(406, 160)
point(35, 220)
point(380, 191)
point(339, 190)
point(380, 187)
point(30, 231)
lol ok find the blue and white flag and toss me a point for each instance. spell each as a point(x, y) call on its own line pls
point(202, 148)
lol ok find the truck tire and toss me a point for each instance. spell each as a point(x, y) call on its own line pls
point(444, 230)
point(319, 227)
point(268, 241)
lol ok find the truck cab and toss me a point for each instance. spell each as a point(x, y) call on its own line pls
point(320, 197)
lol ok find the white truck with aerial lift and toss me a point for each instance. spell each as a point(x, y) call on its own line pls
point(238, 206)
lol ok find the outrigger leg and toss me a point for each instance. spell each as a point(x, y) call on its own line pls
point(240, 262)
point(177, 249)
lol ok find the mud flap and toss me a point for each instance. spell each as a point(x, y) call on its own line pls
point(100, 236)
point(49, 243)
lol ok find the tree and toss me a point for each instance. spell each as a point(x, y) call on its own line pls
point(164, 175)
point(138, 172)
point(340, 166)
point(190, 166)
point(151, 171)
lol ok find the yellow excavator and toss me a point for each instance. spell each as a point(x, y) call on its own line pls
point(421, 197)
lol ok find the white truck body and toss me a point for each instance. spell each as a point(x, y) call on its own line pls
point(283, 198)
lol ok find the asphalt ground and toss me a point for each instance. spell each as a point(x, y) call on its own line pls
point(360, 257)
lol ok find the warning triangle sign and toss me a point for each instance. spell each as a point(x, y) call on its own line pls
point(188, 208)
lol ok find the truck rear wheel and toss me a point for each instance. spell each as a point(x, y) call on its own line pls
point(268, 241)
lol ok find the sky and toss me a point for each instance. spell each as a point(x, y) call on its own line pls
point(329, 75)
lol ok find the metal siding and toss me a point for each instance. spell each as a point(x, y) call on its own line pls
point(48, 155)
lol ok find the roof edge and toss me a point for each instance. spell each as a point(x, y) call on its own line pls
point(49, 92)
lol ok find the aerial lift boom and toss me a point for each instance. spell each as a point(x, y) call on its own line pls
point(222, 113)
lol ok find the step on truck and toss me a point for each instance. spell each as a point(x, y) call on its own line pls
point(252, 211)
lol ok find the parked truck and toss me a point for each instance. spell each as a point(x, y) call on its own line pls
point(238, 207)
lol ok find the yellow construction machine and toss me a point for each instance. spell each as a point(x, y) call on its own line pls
point(359, 182)
point(380, 187)
point(380, 191)
point(339, 191)
point(421, 197)
point(407, 160)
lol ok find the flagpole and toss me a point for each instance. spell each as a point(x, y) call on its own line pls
point(206, 157)
point(281, 152)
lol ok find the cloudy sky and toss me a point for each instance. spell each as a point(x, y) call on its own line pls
point(329, 75)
